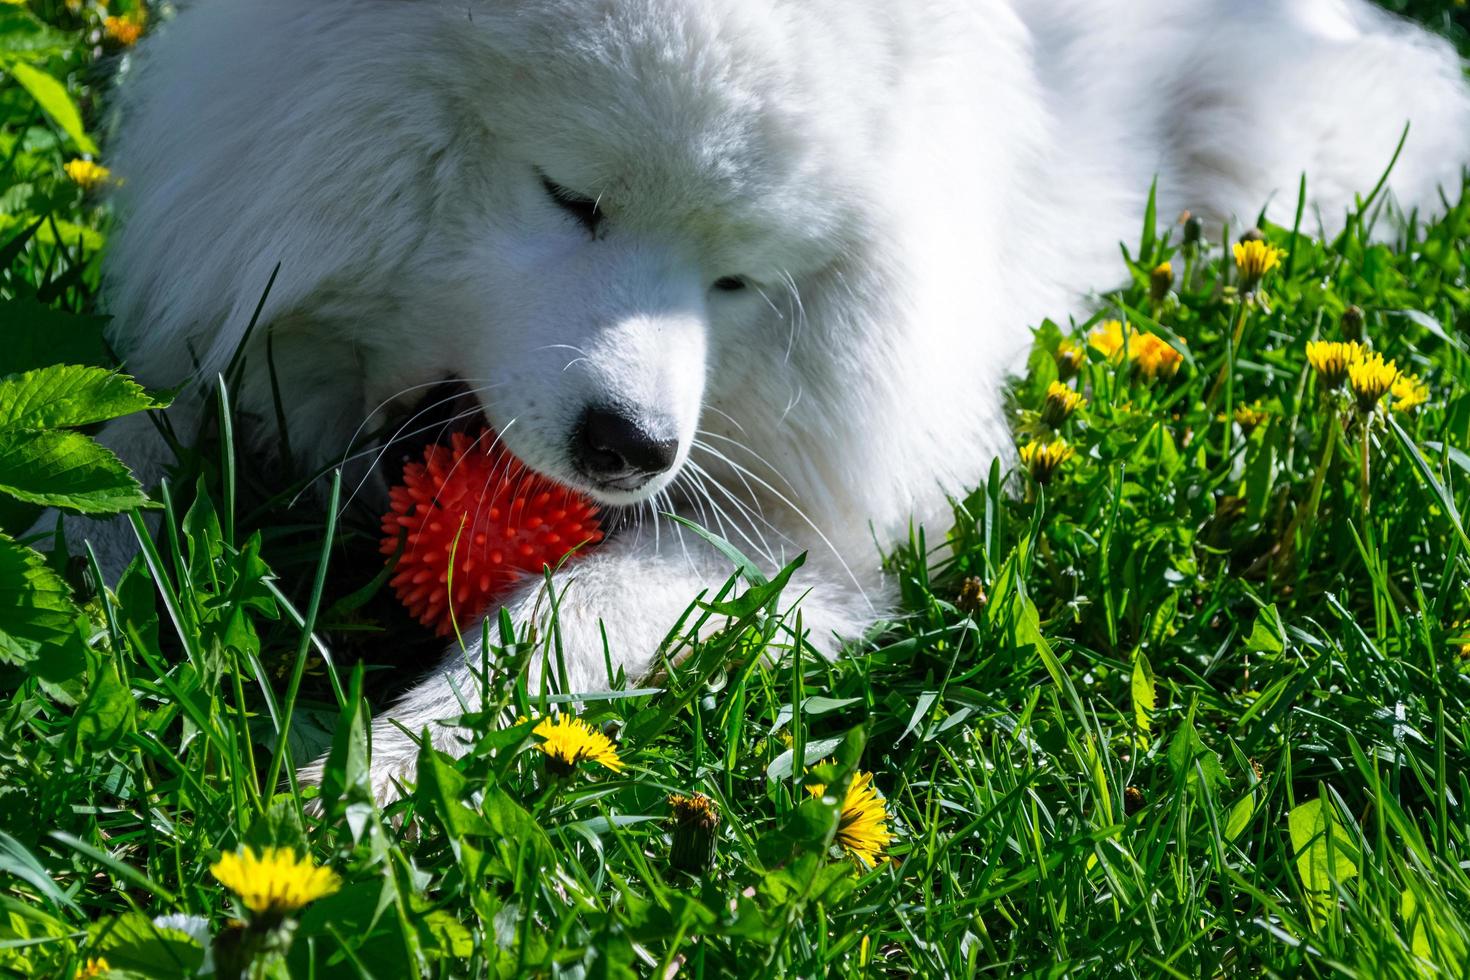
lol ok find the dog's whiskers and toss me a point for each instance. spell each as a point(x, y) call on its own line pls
point(382, 449)
point(797, 511)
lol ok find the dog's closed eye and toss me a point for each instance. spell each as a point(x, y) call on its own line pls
point(583, 209)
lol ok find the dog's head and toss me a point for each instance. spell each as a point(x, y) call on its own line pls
point(650, 181)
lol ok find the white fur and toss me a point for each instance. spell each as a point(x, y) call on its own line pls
point(909, 182)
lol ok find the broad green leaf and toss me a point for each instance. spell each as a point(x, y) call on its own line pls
point(1144, 694)
point(51, 95)
point(278, 826)
point(40, 625)
point(1430, 932)
point(69, 395)
point(1240, 816)
point(1325, 854)
point(1267, 635)
point(104, 716)
point(813, 752)
point(135, 943)
point(1188, 750)
point(66, 469)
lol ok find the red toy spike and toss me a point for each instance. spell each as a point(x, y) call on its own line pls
point(499, 519)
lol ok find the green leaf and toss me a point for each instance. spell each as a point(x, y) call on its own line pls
point(66, 469)
point(69, 395)
point(1267, 635)
point(813, 752)
point(1144, 694)
point(1240, 816)
point(51, 95)
point(1190, 758)
point(106, 715)
point(132, 942)
point(22, 33)
point(40, 626)
point(1325, 854)
point(278, 826)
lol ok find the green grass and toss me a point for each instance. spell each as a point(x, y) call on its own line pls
point(1198, 725)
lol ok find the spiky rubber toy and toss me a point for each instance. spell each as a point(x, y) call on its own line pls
point(500, 521)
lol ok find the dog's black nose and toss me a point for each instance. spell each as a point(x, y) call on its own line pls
point(611, 448)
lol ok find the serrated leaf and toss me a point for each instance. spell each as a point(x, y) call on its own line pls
point(65, 395)
point(62, 468)
point(51, 95)
point(1144, 694)
point(39, 623)
point(106, 715)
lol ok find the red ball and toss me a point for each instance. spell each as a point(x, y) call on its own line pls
point(500, 521)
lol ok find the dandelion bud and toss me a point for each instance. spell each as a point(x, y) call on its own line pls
point(1070, 359)
point(79, 576)
point(1043, 459)
point(1061, 402)
point(1194, 229)
point(1160, 281)
point(1248, 417)
point(972, 597)
point(1352, 323)
point(695, 822)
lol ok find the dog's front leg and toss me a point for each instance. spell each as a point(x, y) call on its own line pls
point(633, 590)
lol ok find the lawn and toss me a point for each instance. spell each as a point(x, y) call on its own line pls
point(1182, 692)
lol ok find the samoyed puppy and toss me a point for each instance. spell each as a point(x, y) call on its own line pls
point(762, 262)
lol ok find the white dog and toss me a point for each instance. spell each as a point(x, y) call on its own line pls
point(763, 261)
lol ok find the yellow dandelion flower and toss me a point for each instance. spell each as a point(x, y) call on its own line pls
point(275, 881)
point(1061, 402)
point(86, 174)
point(125, 30)
point(1043, 459)
point(1371, 377)
point(568, 740)
point(1155, 357)
point(1254, 259)
point(1160, 281)
point(862, 828)
point(1248, 417)
point(1109, 340)
point(94, 967)
point(1408, 393)
point(1070, 359)
point(1331, 359)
